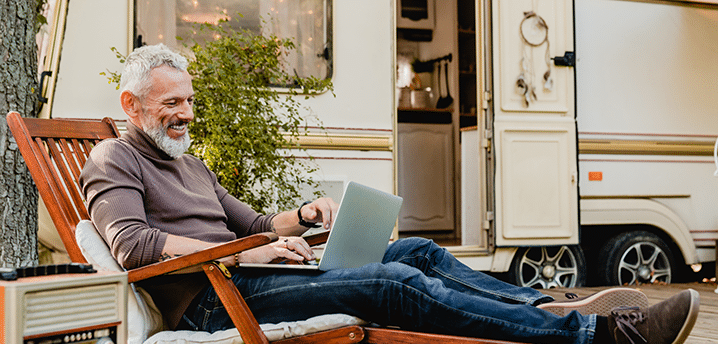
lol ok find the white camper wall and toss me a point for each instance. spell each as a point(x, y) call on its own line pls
point(647, 72)
point(363, 78)
point(93, 27)
point(646, 68)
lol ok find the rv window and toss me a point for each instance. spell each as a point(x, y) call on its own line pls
point(306, 22)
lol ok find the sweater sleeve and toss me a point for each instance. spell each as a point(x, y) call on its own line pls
point(244, 221)
point(241, 219)
point(112, 184)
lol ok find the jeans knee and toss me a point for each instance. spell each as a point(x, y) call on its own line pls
point(410, 247)
point(417, 244)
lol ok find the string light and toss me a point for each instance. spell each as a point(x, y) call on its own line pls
point(205, 18)
point(302, 21)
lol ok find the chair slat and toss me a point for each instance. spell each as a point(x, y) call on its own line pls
point(58, 203)
point(56, 158)
point(68, 153)
point(71, 176)
point(79, 153)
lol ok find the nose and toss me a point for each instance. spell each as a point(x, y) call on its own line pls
point(186, 113)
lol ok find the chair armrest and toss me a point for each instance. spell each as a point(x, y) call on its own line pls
point(204, 256)
point(317, 239)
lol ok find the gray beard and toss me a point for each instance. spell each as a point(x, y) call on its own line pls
point(173, 147)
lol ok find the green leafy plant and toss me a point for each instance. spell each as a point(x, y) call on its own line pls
point(243, 126)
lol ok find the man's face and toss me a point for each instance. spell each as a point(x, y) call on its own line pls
point(167, 109)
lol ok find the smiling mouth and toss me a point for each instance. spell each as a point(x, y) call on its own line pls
point(178, 126)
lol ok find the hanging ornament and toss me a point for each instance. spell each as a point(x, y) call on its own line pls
point(534, 33)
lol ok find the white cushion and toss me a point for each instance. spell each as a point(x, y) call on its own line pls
point(273, 332)
point(144, 319)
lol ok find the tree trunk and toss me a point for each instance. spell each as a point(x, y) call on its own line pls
point(18, 83)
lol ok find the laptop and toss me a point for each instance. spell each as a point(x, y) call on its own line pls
point(360, 232)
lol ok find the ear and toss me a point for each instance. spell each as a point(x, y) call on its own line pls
point(132, 107)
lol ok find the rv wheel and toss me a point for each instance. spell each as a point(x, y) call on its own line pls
point(634, 258)
point(548, 267)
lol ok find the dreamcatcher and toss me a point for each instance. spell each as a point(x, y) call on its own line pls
point(534, 33)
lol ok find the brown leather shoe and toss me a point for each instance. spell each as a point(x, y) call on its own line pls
point(668, 322)
point(600, 303)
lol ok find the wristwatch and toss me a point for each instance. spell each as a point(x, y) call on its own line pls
point(301, 220)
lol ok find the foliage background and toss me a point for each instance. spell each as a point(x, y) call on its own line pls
point(243, 125)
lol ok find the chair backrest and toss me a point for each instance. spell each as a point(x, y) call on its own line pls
point(55, 150)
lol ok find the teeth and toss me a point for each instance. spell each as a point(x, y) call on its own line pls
point(178, 126)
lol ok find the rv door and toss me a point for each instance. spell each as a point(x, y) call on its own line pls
point(534, 123)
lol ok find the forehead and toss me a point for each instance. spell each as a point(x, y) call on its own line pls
point(168, 82)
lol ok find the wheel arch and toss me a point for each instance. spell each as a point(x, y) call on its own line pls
point(613, 212)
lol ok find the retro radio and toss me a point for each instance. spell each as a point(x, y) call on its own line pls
point(63, 306)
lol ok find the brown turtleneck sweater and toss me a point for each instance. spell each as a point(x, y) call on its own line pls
point(136, 195)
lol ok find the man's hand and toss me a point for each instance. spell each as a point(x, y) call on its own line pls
point(294, 248)
point(321, 210)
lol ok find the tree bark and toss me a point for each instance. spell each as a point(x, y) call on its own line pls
point(18, 84)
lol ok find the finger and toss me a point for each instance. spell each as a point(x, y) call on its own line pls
point(289, 254)
point(328, 213)
point(300, 246)
point(282, 249)
point(322, 211)
point(305, 248)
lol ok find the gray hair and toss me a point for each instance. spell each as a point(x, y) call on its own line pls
point(136, 74)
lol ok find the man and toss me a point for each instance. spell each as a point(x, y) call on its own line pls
point(151, 202)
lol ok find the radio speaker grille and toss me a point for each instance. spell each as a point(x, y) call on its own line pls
point(55, 310)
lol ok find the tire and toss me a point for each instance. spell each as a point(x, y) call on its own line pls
point(634, 258)
point(548, 267)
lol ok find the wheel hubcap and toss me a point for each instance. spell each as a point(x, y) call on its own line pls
point(644, 262)
point(548, 267)
point(644, 272)
point(548, 272)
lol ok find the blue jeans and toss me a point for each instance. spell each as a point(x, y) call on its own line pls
point(418, 286)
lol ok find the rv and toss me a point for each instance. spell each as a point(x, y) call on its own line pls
point(556, 142)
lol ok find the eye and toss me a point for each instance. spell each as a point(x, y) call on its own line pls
point(190, 101)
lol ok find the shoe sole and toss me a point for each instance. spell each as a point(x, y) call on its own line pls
point(600, 303)
point(690, 318)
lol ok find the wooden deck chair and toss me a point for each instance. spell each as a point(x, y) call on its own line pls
point(55, 150)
